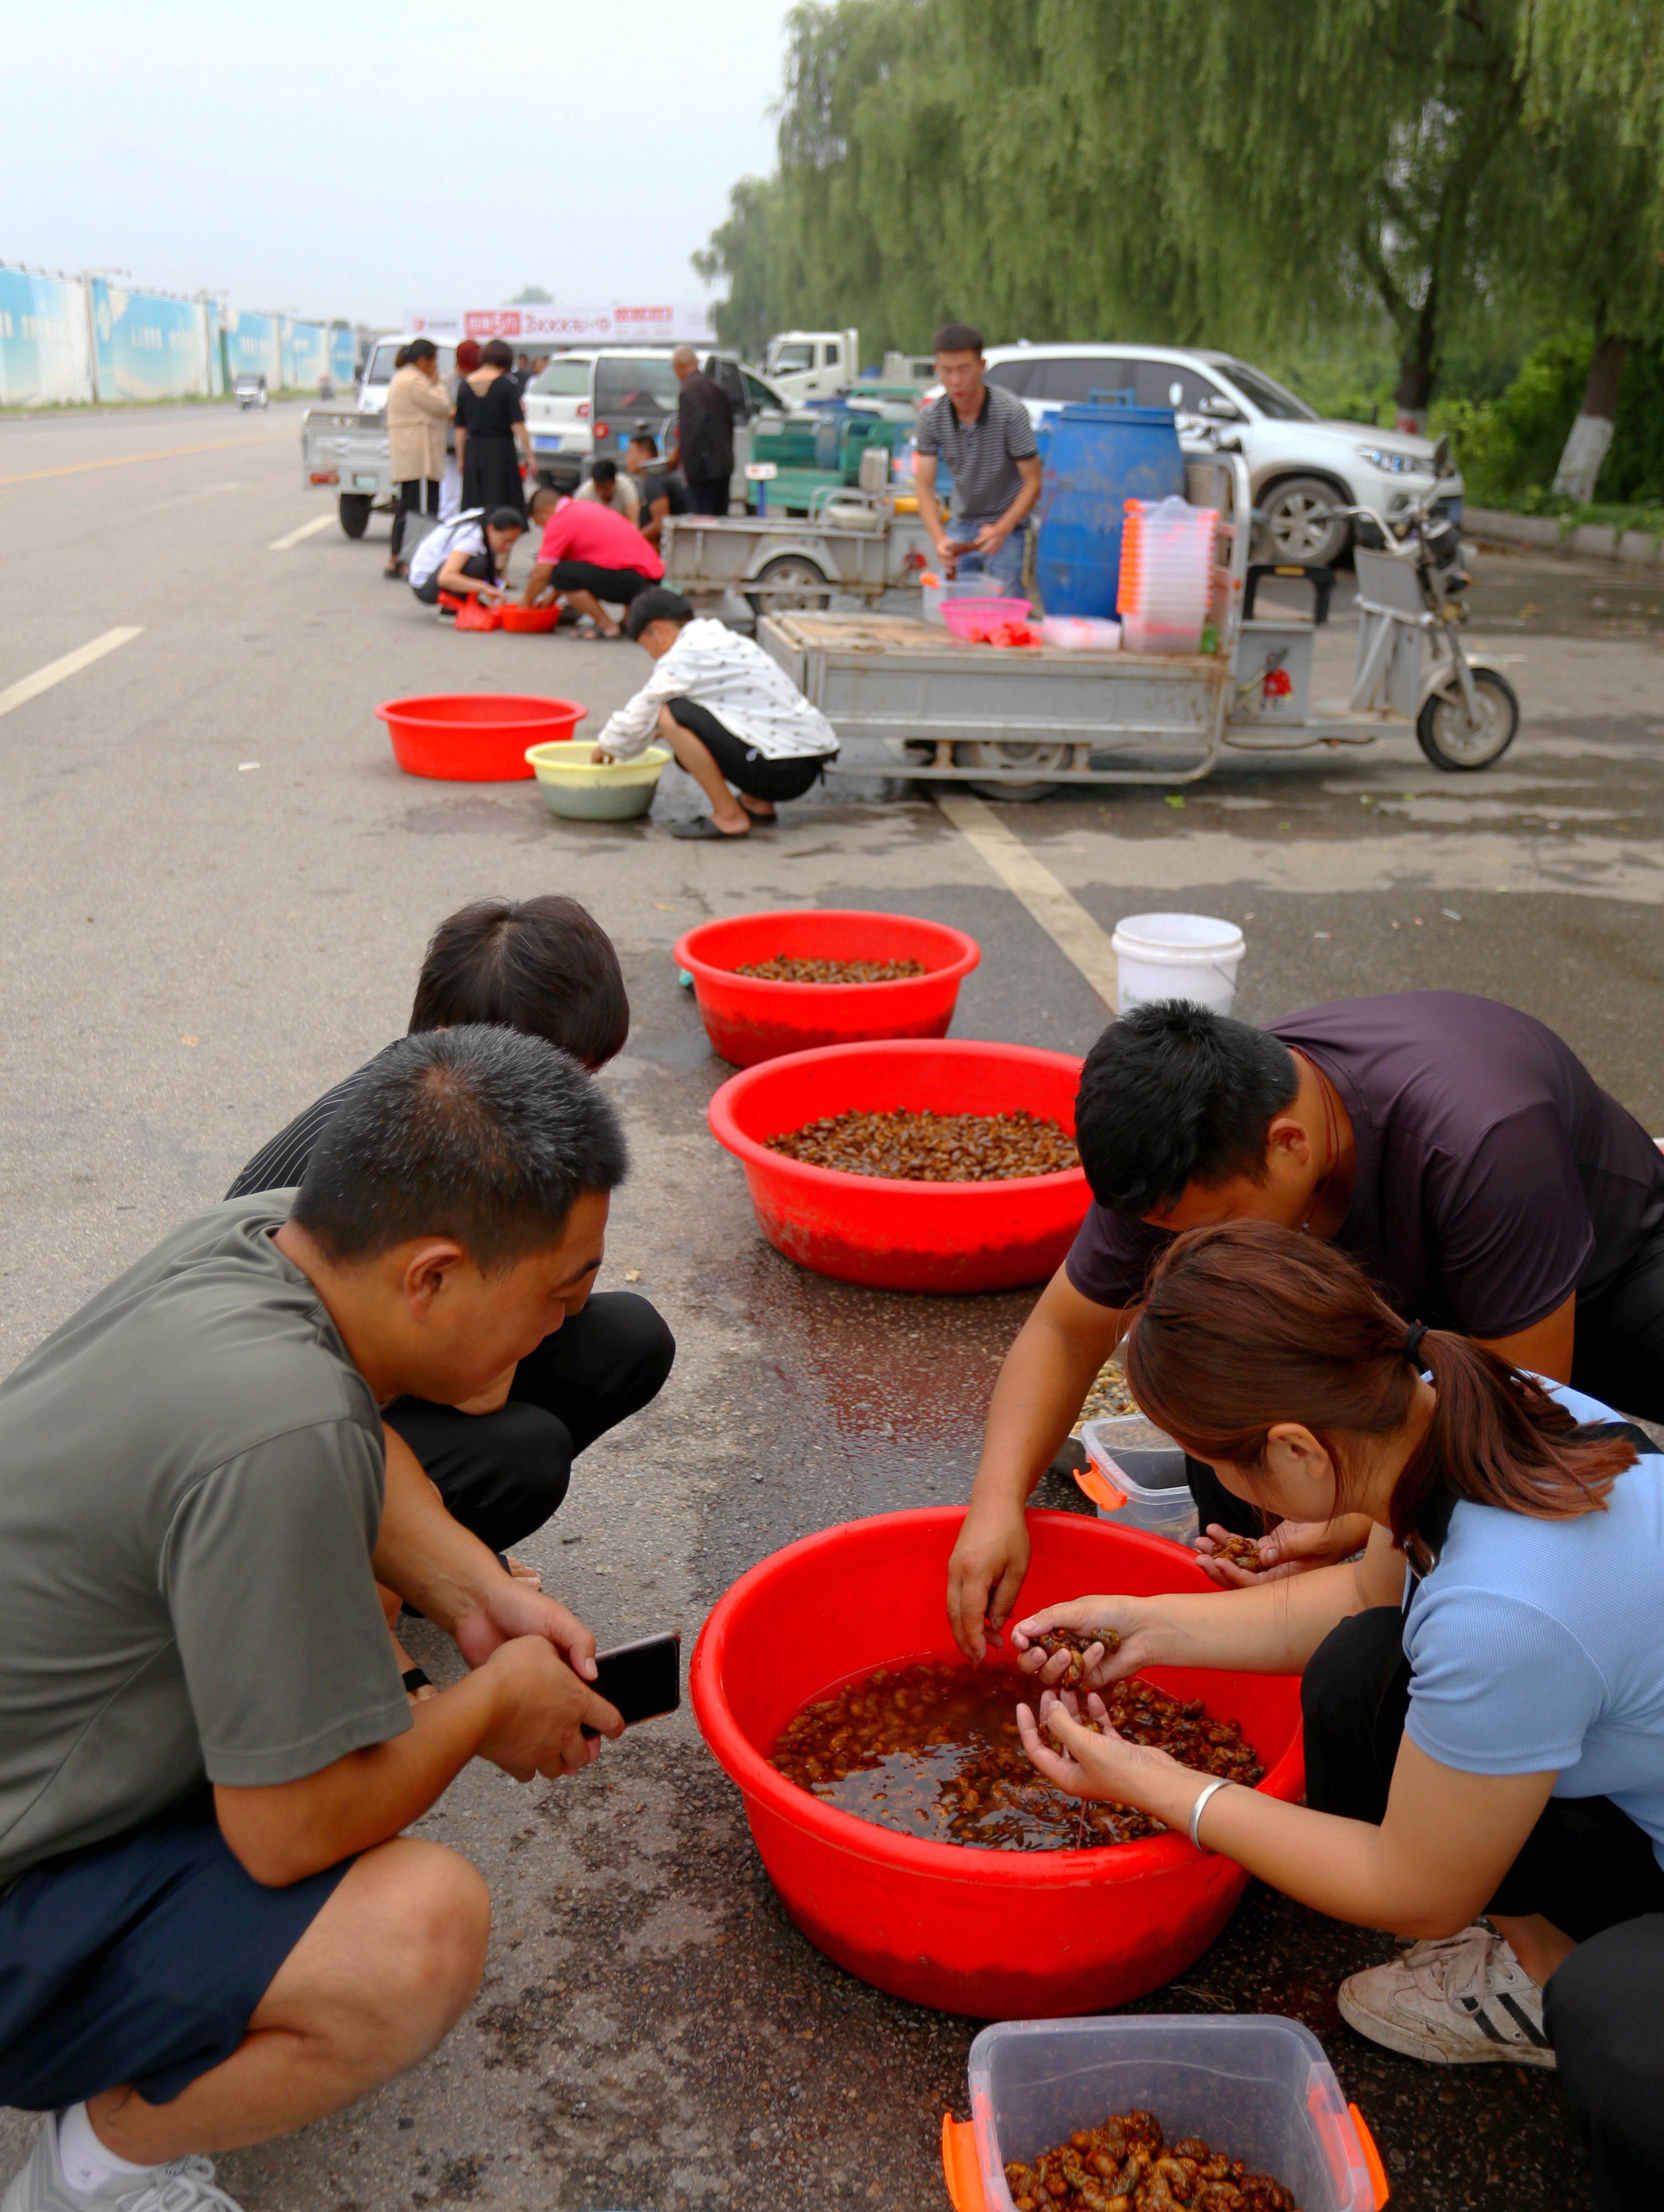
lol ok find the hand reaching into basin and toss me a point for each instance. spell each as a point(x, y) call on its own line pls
point(1086, 1762)
point(1087, 1643)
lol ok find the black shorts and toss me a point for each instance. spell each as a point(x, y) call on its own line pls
point(616, 585)
point(754, 773)
point(477, 565)
point(140, 1960)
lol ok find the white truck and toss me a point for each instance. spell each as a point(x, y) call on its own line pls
point(804, 365)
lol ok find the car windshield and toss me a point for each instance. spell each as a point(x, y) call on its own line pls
point(1270, 399)
point(564, 380)
point(643, 384)
point(790, 357)
point(758, 392)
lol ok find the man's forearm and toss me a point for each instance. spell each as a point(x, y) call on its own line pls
point(433, 1562)
point(537, 580)
point(282, 1834)
point(1036, 1403)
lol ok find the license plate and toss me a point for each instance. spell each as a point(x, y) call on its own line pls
point(546, 445)
point(366, 484)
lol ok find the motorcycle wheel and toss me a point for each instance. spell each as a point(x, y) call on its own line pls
point(354, 513)
point(996, 753)
point(799, 587)
point(1446, 737)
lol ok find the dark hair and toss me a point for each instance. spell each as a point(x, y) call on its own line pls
point(495, 354)
point(1172, 1094)
point(421, 349)
point(957, 337)
point(605, 471)
point(525, 357)
point(545, 965)
point(641, 435)
point(1248, 1324)
point(402, 358)
point(505, 517)
point(480, 1133)
point(656, 606)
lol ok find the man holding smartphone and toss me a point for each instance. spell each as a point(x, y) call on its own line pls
point(212, 1930)
point(985, 436)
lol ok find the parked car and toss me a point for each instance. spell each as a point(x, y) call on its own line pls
point(1300, 465)
point(590, 401)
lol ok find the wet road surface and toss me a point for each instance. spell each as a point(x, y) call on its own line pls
point(195, 947)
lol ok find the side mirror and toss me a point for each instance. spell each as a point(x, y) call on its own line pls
point(1218, 408)
point(1441, 456)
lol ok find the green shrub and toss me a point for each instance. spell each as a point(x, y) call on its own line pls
point(1509, 448)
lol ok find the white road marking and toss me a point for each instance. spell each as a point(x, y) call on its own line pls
point(31, 687)
point(1057, 911)
point(307, 529)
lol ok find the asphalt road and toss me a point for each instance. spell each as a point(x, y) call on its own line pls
point(216, 889)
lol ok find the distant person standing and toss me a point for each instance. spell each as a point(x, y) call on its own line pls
point(418, 409)
point(490, 420)
point(985, 436)
point(450, 489)
point(704, 434)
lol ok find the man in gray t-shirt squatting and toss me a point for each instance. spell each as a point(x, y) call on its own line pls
point(985, 436)
point(211, 1929)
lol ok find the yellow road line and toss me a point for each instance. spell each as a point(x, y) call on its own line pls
point(31, 687)
point(1057, 911)
point(307, 529)
point(161, 453)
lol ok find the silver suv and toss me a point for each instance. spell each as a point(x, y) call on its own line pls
point(1300, 465)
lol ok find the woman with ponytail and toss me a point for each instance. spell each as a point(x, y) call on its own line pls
point(1482, 1687)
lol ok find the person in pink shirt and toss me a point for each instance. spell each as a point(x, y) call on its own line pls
point(590, 552)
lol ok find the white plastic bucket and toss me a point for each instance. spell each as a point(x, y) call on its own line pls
point(1176, 955)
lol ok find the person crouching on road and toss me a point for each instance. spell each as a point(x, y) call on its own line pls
point(467, 558)
point(729, 714)
point(609, 486)
point(212, 1928)
point(1482, 1692)
point(590, 552)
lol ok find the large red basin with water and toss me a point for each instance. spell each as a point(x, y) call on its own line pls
point(749, 1019)
point(896, 1236)
point(1000, 1935)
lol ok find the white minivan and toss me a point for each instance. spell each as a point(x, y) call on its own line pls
point(591, 401)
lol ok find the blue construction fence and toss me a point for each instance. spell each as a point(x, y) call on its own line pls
point(88, 339)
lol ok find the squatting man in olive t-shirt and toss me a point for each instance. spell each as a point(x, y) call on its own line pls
point(211, 1930)
point(1456, 1147)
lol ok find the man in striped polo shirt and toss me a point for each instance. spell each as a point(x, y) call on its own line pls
point(988, 441)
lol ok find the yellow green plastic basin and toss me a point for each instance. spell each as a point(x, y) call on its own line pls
point(581, 789)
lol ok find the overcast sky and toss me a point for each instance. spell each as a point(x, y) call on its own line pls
point(351, 159)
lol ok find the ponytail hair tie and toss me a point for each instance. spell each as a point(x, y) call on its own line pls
point(1412, 1339)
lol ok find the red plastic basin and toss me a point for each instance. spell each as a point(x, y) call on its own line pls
point(898, 1236)
point(530, 621)
point(748, 1019)
point(474, 737)
point(1001, 1935)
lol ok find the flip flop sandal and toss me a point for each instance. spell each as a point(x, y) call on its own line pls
point(705, 832)
point(414, 1678)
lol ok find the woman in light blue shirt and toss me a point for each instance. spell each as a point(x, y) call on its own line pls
point(1482, 1688)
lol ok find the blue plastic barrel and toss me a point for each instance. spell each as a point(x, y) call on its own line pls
point(1097, 459)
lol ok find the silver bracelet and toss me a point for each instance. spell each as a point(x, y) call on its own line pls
point(1196, 1809)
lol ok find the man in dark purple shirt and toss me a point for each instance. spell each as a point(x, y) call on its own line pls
point(1455, 1147)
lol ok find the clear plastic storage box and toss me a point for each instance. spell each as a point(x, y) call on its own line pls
point(1144, 1464)
point(1254, 2085)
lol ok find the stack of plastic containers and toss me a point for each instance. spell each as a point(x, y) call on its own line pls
point(1166, 573)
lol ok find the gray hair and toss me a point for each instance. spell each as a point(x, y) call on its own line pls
point(480, 1133)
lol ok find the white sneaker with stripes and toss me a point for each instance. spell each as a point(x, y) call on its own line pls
point(1456, 2001)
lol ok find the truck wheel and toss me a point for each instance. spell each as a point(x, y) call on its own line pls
point(1446, 736)
point(354, 513)
point(1293, 520)
point(801, 588)
point(998, 752)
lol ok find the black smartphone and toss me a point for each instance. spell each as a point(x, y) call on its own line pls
point(642, 1679)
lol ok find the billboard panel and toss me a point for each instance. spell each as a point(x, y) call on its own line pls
point(43, 351)
point(254, 347)
point(539, 330)
point(305, 355)
point(147, 345)
point(344, 358)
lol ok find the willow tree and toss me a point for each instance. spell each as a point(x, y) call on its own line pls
point(1596, 105)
